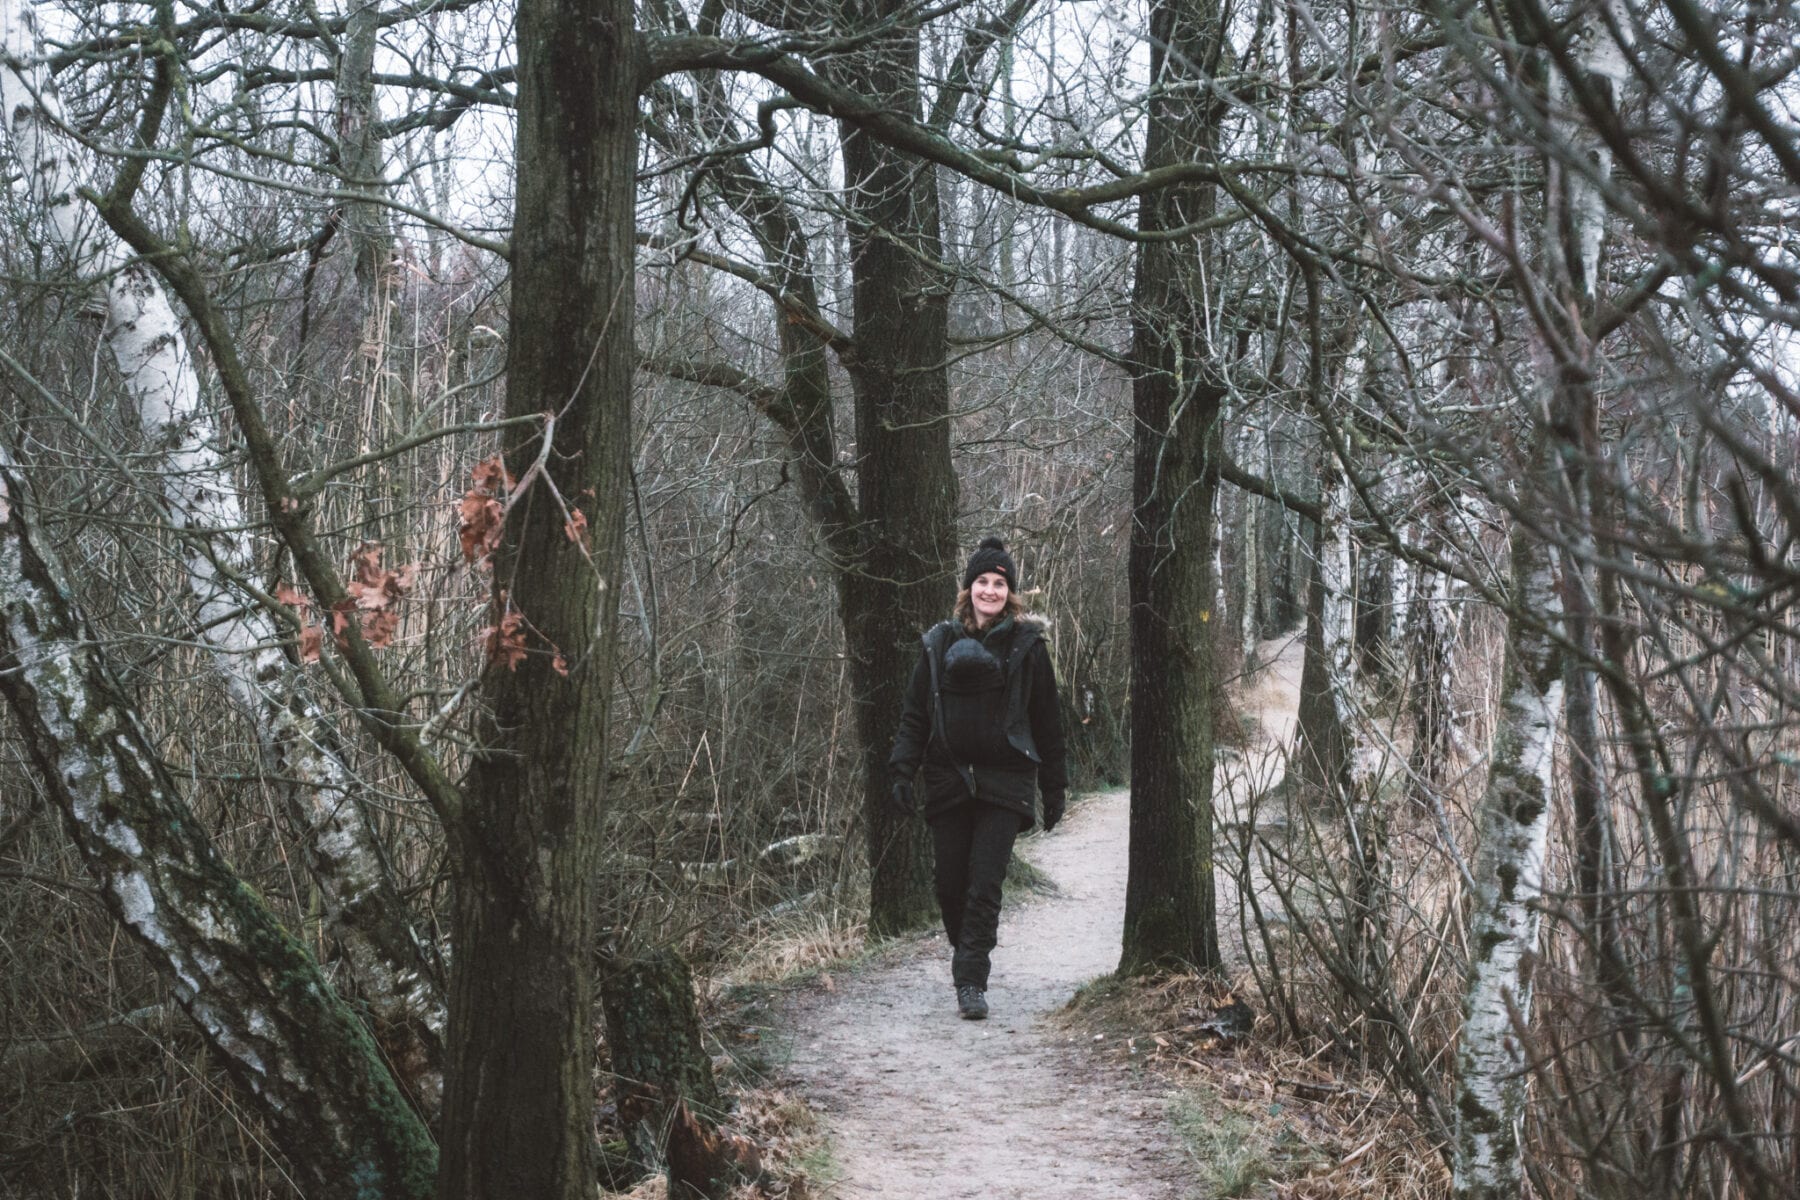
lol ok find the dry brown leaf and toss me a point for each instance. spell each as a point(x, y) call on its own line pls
point(504, 641)
point(480, 512)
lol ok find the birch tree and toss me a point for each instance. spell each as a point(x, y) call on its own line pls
point(1579, 171)
point(262, 1003)
point(1514, 829)
point(391, 963)
point(1514, 817)
point(1358, 798)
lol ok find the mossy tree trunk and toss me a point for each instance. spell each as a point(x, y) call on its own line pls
point(1176, 398)
point(659, 1064)
point(265, 1008)
point(394, 972)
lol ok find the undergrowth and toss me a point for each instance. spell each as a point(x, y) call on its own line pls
point(1258, 1115)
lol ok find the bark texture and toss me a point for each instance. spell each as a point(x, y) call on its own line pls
point(1514, 824)
point(360, 152)
point(1577, 221)
point(1176, 398)
point(1356, 792)
point(906, 488)
point(518, 1106)
point(260, 1000)
point(1321, 750)
point(660, 1067)
point(393, 968)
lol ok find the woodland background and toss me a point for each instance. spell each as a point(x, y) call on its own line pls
point(474, 475)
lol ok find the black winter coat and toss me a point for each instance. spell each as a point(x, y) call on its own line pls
point(983, 726)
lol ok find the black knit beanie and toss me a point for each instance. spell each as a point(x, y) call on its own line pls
point(991, 555)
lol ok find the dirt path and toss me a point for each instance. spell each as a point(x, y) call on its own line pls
point(924, 1106)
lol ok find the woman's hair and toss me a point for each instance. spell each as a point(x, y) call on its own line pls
point(965, 609)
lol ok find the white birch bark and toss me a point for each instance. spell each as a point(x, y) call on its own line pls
point(1602, 60)
point(259, 999)
point(1251, 628)
point(1221, 598)
point(1364, 820)
point(1514, 822)
point(1338, 586)
point(1337, 579)
point(202, 501)
point(1406, 585)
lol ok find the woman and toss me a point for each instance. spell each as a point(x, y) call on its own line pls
point(982, 719)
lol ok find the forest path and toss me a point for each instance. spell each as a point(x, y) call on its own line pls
point(921, 1105)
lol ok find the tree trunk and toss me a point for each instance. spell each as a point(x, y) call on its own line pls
point(1355, 795)
point(1250, 561)
point(370, 315)
point(906, 487)
point(394, 970)
point(1176, 397)
point(1514, 825)
point(1431, 625)
point(262, 1003)
point(802, 408)
point(1577, 226)
point(1321, 754)
point(660, 1067)
point(518, 1109)
point(360, 156)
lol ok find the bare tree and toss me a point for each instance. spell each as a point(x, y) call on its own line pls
point(1176, 396)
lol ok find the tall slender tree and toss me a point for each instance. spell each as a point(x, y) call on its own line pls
point(1176, 399)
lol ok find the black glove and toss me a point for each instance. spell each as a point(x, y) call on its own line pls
point(1053, 809)
point(900, 799)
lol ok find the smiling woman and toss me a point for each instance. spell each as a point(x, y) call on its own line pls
point(982, 719)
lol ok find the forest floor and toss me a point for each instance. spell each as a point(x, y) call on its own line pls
point(919, 1104)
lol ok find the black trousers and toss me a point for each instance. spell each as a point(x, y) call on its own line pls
point(973, 843)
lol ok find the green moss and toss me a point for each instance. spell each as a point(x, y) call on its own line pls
point(820, 1166)
point(1473, 1111)
point(1097, 992)
point(395, 1156)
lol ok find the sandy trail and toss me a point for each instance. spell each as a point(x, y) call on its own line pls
point(921, 1105)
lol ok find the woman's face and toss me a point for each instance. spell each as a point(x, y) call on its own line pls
point(987, 595)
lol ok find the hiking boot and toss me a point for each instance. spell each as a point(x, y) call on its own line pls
point(971, 1002)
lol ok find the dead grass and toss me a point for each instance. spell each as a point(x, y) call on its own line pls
point(793, 946)
point(1259, 1118)
point(793, 1155)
